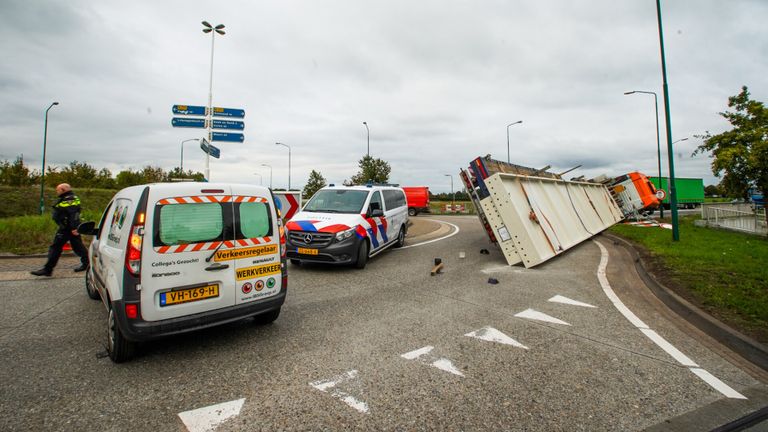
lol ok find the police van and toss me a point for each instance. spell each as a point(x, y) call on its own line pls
point(169, 258)
point(347, 225)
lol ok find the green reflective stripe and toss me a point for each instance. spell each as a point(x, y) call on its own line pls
point(71, 203)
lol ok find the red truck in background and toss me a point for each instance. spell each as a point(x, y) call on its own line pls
point(417, 198)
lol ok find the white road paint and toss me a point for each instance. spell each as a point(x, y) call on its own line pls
point(451, 234)
point(655, 337)
point(539, 316)
point(328, 386)
point(501, 269)
point(490, 334)
point(423, 355)
point(568, 301)
point(209, 418)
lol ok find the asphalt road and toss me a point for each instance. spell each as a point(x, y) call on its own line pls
point(385, 348)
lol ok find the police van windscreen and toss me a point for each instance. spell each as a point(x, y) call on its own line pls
point(337, 201)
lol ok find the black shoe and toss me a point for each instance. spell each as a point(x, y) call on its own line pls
point(41, 272)
point(83, 267)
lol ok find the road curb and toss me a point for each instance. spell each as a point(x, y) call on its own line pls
point(748, 348)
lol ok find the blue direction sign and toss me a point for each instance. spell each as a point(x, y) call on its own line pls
point(228, 112)
point(189, 110)
point(210, 149)
point(227, 137)
point(188, 122)
point(228, 124)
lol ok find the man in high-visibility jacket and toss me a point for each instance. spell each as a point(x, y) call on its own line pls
point(66, 214)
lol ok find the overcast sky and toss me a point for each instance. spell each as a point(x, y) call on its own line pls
point(437, 82)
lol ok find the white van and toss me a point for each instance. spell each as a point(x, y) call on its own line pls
point(169, 258)
point(347, 225)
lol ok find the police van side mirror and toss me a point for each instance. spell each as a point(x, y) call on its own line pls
point(377, 213)
point(88, 228)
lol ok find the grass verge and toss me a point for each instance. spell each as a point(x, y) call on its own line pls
point(722, 272)
point(27, 235)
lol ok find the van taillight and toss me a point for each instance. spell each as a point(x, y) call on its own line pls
point(133, 257)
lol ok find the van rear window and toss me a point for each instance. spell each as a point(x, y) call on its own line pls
point(190, 223)
point(254, 219)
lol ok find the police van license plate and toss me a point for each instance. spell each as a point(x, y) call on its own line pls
point(189, 295)
point(306, 251)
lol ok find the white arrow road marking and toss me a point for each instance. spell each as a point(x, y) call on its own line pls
point(490, 334)
point(424, 356)
point(209, 418)
point(566, 300)
point(539, 316)
point(327, 386)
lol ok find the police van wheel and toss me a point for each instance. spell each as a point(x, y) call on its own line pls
point(118, 347)
point(400, 237)
point(296, 262)
point(362, 255)
point(90, 289)
point(266, 318)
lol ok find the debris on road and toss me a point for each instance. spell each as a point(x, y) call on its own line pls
point(437, 268)
point(493, 281)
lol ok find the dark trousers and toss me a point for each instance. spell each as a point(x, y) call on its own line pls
point(54, 251)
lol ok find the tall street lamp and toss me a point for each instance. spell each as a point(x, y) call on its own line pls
point(212, 30)
point(658, 142)
point(42, 173)
point(453, 200)
point(681, 139)
point(289, 162)
point(259, 177)
point(270, 174)
point(519, 121)
point(670, 154)
point(181, 164)
point(368, 133)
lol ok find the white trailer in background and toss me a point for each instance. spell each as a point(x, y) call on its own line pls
point(534, 215)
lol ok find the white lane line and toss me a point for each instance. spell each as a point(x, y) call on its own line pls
point(423, 355)
point(455, 231)
point(655, 337)
point(328, 386)
point(209, 418)
point(490, 334)
point(568, 301)
point(539, 316)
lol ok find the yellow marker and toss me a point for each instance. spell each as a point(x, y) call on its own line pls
point(257, 251)
point(257, 271)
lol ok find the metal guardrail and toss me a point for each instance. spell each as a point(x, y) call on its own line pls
point(737, 217)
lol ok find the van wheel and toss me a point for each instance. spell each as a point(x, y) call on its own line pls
point(296, 262)
point(411, 211)
point(118, 347)
point(90, 289)
point(266, 318)
point(400, 237)
point(362, 255)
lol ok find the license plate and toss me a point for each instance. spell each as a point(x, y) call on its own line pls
point(306, 251)
point(189, 295)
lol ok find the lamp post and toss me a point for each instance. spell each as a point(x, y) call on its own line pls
point(681, 139)
point(519, 121)
point(259, 177)
point(289, 162)
point(453, 200)
point(368, 133)
point(670, 153)
point(42, 173)
point(270, 174)
point(181, 164)
point(209, 114)
point(658, 142)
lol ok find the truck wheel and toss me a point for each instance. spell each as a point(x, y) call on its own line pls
point(118, 347)
point(90, 289)
point(362, 255)
point(266, 318)
point(412, 211)
point(400, 237)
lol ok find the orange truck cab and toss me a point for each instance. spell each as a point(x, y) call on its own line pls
point(634, 192)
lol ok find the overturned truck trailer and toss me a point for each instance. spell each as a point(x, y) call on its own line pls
point(534, 215)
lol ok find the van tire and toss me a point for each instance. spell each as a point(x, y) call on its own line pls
point(119, 348)
point(362, 255)
point(400, 237)
point(412, 211)
point(91, 290)
point(266, 318)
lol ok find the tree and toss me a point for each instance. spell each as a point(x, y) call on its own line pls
point(374, 170)
point(740, 154)
point(16, 173)
point(315, 182)
point(712, 190)
point(176, 173)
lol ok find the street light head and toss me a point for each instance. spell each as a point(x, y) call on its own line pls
point(365, 123)
point(221, 32)
point(205, 23)
point(219, 27)
point(629, 92)
point(207, 30)
point(55, 103)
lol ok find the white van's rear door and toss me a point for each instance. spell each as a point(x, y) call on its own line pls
point(184, 230)
point(256, 258)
